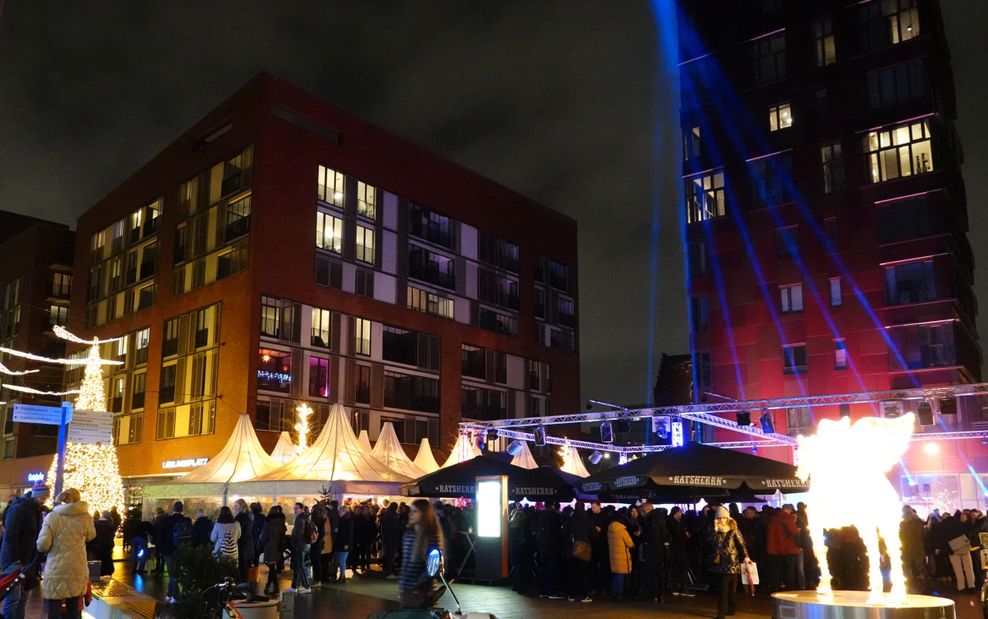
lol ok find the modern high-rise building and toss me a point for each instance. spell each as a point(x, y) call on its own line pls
point(35, 283)
point(826, 217)
point(284, 251)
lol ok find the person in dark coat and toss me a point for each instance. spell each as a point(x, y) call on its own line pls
point(245, 543)
point(655, 537)
point(391, 532)
point(165, 539)
point(319, 520)
point(273, 546)
point(21, 525)
point(519, 547)
point(549, 542)
point(115, 517)
point(258, 514)
point(102, 544)
point(577, 529)
point(157, 533)
point(343, 543)
point(600, 562)
point(201, 528)
point(725, 554)
point(679, 563)
point(300, 546)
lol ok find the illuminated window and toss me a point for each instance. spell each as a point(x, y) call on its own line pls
point(691, 143)
point(274, 370)
point(799, 418)
point(319, 377)
point(832, 160)
point(791, 297)
point(779, 117)
point(365, 244)
point(61, 284)
point(366, 200)
point(429, 302)
point(887, 22)
point(823, 41)
point(794, 359)
point(361, 336)
point(765, 59)
point(330, 187)
point(363, 384)
point(58, 315)
point(840, 355)
point(270, 316)
point(705, 197)
point(903, 150)
point(321, 321)
point(836, 297)
point(329, 232)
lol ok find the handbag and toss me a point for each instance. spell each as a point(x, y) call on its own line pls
point(960, 544)
point(749, 573)
point(581, 550)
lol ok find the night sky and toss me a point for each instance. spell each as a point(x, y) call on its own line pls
point(568, 102)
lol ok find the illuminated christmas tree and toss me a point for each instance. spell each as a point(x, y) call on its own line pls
point(92, 469)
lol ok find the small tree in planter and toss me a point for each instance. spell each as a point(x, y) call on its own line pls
point(197, 569)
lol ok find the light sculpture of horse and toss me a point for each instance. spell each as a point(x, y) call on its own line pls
point(846, 466)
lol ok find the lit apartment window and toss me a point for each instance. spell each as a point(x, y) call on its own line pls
point(366, 200)
point(691, 143)
point(58, 315)
point(779, 117)
point(903, 150)
point(794, 359)
point(429, 302)
point(765, 59)
point(836, 297)
point(705, 197)
point(791, 297)
point(823, 41)
point(840, 355)
point(331, 186)
point(361, 336)
point(329, 232)
point(832, 160)
point(321, 322)
point(365, 244)
point(61, 284)
point(799, 418)
point(888, 22)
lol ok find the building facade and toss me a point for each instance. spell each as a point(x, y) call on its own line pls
point(284, 251)
point(826, 217)
point(35, 284)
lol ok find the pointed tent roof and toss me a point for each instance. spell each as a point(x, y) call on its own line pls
point(284, 450)
point(364, 440)
point(463, 450)
point(335, 455)
point(241, 458)
point(424, 458)
point(388, 451)
point(525, 459)
point(572, 463)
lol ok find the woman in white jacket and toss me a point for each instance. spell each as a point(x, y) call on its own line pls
point(225, 534)
point(63, 536)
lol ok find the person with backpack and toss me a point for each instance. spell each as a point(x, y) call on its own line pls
point(302, 537)
point(176, 530)
point(226, 535)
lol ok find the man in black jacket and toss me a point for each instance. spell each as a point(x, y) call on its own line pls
point(577, 529)
point(21, 527)
point(549, 541)
point(300, 546)
point(391, 531)
point(656, 540)
point(165, 540)
point(245, 544)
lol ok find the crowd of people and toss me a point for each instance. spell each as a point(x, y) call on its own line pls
point(66, 536)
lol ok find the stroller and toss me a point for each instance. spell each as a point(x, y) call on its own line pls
point(15, 579)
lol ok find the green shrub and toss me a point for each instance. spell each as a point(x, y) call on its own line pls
point(197, 569)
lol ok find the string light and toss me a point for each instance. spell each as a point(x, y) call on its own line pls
point(5, 370)
point(302, 412)
point(92, 393)
point(65, 334)
point(27, 355)
point(33, 391)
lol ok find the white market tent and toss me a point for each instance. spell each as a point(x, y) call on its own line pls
point(424, 458)
point(463, 450)
point(336, 461)
point(241, 458)
point(525, 459)
point(364, 440)
point(284, 450)
point(572, 463)
point(389, 452)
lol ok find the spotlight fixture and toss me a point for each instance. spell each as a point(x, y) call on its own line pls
point(514, 448)
point(948, 406)
point(539, 434)
point(660, 426)
point(596, 457)
point(744, 418)
point(606, 432)
point(925, 413)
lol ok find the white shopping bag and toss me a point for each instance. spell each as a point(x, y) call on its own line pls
point(749, 573)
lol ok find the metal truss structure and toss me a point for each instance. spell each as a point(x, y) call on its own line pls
point(708, 414)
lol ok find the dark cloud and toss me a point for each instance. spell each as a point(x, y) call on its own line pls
point(565, 101)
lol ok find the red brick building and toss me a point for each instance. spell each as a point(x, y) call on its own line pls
point(826, 215)
point(284, 250)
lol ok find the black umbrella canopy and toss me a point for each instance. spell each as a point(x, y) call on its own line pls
point(696, 470)
point(459, 480)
